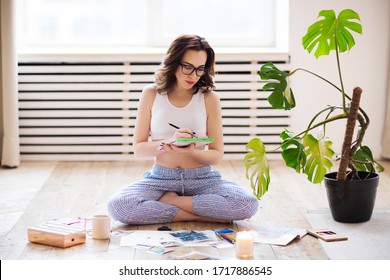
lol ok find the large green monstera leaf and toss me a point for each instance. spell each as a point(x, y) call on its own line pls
point(363, 160)
point(282, 96)
point(309, 155)
point(330, 32)
point(319, 154)
point(257, 168)
point(293, 151)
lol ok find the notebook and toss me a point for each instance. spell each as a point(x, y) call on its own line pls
point(198, 141)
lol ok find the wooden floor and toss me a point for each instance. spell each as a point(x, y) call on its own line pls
point(37, 192)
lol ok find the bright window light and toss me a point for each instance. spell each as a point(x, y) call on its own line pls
point(151, 23)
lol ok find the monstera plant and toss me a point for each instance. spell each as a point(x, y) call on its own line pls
point(306, 152)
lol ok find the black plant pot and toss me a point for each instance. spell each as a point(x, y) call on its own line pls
point(351, 201)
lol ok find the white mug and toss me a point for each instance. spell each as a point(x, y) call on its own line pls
point(101, 227)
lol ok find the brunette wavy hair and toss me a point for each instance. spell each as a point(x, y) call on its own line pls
point(165, 78)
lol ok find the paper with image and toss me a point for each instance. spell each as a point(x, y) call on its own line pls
point(146, 238)
point(192, 236)
point(141, 238)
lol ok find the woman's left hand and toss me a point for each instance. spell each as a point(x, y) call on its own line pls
point(173, 148)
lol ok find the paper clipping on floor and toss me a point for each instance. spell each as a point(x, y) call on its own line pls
point(146, 238)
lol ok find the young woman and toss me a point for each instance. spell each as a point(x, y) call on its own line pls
point(181, 186)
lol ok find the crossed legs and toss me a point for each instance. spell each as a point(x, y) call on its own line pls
point(186, 212)
point(205, 197)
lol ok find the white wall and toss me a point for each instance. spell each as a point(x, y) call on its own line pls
point(366, 65)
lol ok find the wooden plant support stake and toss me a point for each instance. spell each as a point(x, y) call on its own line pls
point(351, 121)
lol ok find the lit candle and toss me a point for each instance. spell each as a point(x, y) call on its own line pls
point(244, 245)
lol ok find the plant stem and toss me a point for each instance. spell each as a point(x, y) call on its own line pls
point(318, 76)
point(367, 120)
point(340, 76)
point(331, 109)
point(334, 118)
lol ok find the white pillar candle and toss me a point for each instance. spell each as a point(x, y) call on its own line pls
point(244, 244)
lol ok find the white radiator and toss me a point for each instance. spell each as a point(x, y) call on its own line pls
point(83, 107)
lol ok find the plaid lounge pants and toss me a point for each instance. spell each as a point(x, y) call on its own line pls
point(212, 197)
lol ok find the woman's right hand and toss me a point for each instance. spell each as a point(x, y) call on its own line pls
point(179, 133)
point(173, 148)
point(166, 144)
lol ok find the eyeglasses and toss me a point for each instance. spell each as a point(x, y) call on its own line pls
point(188, 69)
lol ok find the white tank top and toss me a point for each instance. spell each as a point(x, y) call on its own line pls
point(192, 116)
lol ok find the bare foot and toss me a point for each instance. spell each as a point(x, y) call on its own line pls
point(186, 213)
point(167, 197)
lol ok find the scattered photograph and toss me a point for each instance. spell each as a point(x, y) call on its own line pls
point(190, 236)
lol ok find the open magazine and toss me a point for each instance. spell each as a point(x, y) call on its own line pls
point(278, 235)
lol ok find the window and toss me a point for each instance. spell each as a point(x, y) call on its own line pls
point(83, 23)
point(151, 23)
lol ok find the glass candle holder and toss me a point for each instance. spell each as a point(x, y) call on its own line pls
point(244, 245)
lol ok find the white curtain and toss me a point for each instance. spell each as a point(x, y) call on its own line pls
point(9, 127)
point(386, 134)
